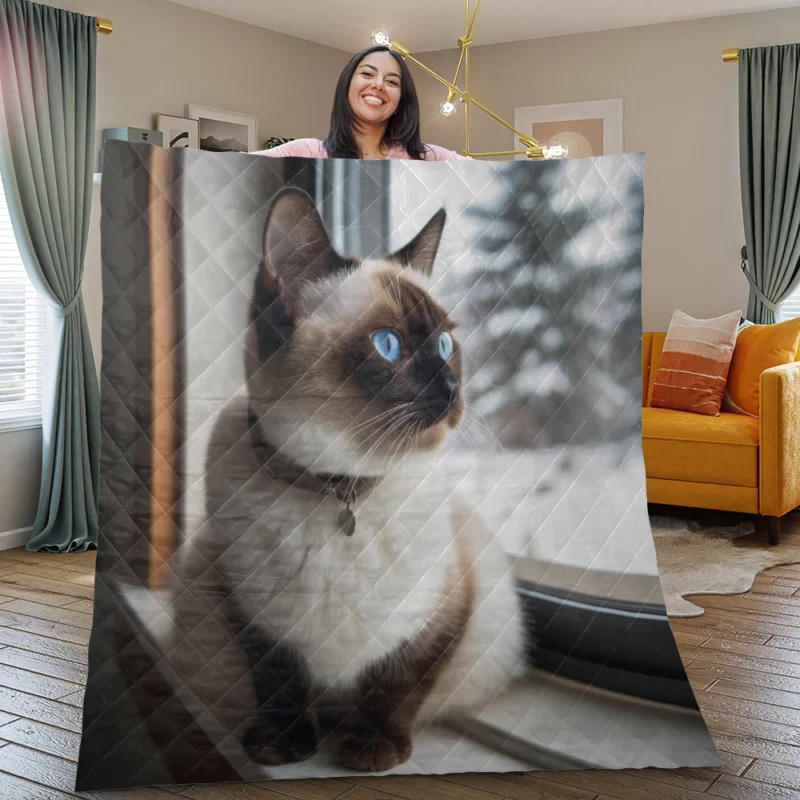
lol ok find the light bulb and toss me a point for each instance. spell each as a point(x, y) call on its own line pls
point(555, 149)
point(381, 39)
point(448, 108)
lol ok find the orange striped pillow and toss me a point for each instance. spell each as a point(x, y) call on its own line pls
point(695, 362)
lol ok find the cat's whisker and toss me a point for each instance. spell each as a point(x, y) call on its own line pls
point(394, 426)
point(374, 420)
point(472, 417)
point(399, 443)
point(396, 414)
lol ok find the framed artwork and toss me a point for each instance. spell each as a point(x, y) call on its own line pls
point(592, 128)
point(179, 131)
point(224, 131)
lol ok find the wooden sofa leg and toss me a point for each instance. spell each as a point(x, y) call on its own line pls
point(774, 529)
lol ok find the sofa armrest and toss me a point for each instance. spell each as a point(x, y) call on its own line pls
point(779, 455)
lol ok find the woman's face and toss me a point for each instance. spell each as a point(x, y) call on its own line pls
point(375, 89)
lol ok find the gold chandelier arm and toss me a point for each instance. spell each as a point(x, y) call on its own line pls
point(525, 138)
point(467, 106)
point(407, 55)
point(471, 20)
point(465, 56)
point(496, 154)
point(461, 60)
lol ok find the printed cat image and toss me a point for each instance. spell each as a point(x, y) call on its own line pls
point(367, 597)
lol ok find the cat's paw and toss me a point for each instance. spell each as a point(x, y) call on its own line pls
point(267, 744)
point(374, 752)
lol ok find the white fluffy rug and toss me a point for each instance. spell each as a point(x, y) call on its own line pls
point(693, 559)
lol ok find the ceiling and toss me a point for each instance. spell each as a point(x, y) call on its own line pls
point(435, 24)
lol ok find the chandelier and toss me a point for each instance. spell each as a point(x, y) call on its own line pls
point(457, 95)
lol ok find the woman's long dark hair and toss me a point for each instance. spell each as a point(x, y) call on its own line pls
point(403, 126)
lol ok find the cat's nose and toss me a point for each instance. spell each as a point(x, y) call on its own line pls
point(440, 397)
point(452, 390)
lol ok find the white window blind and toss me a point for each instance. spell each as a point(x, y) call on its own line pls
point(790, 308)
point(22, 332)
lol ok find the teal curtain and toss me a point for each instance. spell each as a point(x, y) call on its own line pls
point(769, 156)
point(47, 118)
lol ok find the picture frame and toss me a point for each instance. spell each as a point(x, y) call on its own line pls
point(590, 128)
point(224, 131)
point(179, 131)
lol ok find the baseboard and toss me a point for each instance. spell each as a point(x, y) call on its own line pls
point(17, 538)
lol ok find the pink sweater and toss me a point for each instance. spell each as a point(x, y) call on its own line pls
point(313, 148)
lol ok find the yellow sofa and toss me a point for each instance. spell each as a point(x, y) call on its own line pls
point(731, 462)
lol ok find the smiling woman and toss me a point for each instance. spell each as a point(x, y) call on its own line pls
point(375, 115)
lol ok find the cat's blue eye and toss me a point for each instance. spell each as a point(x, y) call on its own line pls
point(445, 345)
point(388, 344)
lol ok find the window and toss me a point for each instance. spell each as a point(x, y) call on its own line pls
point(790, 308)
point(22, 330)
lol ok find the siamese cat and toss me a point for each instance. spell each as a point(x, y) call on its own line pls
point(366, 596)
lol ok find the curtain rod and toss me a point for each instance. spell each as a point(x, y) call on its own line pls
point(105, 26)
point(730, 54)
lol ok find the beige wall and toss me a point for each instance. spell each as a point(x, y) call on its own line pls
point(161, 56)
point(680, 108)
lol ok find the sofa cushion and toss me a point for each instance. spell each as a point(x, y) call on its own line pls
point(758, 347)
point(682, 446)
point(694, 363)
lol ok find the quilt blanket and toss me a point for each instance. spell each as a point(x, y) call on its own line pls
point(373, 495)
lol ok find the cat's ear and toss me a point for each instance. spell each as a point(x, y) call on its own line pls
point(420, 252)
point(297, 248)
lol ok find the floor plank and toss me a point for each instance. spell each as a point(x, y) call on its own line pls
point(776, 774)
point(65, 615)
point(752, 709)
point(759, 694)
point(86, 606)
point(44, 664)
point(729, 624)
point(41, 685)
point(38, 767)
point(625, 785)
point(38, 736)
point(42, 645)
point(744, 789)
point(520, 786)
point(40, 709)
point(36, 581)
point(15, 591)
point(15, 788)
point(140, 793)
point(701, 670)
point(78, 562)
point(218, 791)
point(424, 788)
point(784, 643)
point(734, 659)
point(739, 725)
point(360, 793)
point(43, 627)
point(308, 790)
point(758, 748)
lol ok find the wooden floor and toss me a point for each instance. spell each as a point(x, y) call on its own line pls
point(743, 658)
